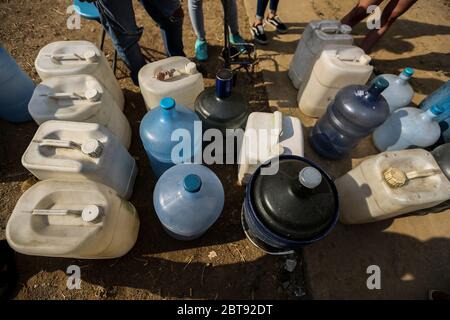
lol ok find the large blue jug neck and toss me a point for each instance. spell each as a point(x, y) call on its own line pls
point(167, 106)
point(375, 90)
point(224, 83)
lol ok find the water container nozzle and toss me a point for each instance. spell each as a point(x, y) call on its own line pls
point(224, 83)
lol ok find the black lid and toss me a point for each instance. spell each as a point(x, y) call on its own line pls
point(299, 202)
point(228, 113)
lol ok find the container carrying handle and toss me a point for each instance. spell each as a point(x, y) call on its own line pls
point(277, 130)
point(89, 214)
point(89, 56)
point(93, 95)
point(189, 69)
point(91, 147)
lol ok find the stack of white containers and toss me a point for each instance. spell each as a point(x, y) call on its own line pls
point(80, 153)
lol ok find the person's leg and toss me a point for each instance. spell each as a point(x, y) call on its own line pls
point(273, 19)
point(234, 18)
point(169, 15)
point(359, 12)
point(273, 7)
point(260, 10)
point(117, 17)
point(196, 14)
point(393, 10)
point(197, 20)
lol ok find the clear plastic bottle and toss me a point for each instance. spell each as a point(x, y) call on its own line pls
point(156, 131)
point(354, 114)
point(399, 94)
point(408, 127)
point(188, 199)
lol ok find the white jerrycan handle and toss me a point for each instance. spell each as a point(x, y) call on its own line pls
point(277, 130)
point(91, 147)
point(89, 56)
point(93, 95)
point(89, 214)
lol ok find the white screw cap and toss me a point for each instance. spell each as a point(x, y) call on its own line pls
point(310, 177)
point(91, 213)
point(90, 55)
point(92, 95)
point(191, 68)
point(92, 148)
point(345, 29)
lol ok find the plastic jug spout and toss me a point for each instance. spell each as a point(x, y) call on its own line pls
point(224, 83)
point(90, 213)
point(397, 178)
point(377, 88)
point(308, 180)
point(433, 113)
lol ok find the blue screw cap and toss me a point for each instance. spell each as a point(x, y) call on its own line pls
point(192, 183)
point(437, 110)
point(381, 83)
point(408, 72)
point(167, 103)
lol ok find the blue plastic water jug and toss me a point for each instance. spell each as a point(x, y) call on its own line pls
point(399, 94)
point(440, 97)
point(157, 128)
point(16, 89)
point(354, 114)
point(188, 199)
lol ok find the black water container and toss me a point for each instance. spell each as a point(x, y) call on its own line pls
point(220, 107)
point(442, 156)
point(296, 206)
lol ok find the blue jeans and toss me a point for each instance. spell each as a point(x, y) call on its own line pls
point(197, 20)
point(262, 5)
point(118, 19)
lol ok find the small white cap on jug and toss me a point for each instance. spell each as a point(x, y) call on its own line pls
point(90, 55)
point(345, 29)
point(92, 148)
point(92, 95)
point(191, 68)
point(91, 213)
point(310, 177)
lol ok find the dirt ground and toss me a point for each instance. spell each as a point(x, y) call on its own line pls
point(159, 267)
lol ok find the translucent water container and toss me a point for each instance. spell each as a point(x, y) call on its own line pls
point(175, 77)
point(72, 219)
point(296, 206)
point(268, 135)
point(63, 58)
point(188, 199)
point(337, 67)
point(408, 128)
point(82, 99)
point(391, 184)
point(399, 94)
point(168, 136)
point(16, 89)
point(354, 114)
point(316, 36)
point(440, 97)
point(73, 151)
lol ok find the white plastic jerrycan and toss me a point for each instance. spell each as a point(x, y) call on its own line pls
point(407, 128)
point(81, 99)
point(71, 151)
point(63, 58)
point(72, 219)
point(337, 67)
point(391, 184)
point(268, 135)
point(174, 77)
point(316, 36)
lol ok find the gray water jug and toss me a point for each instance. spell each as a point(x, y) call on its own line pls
point(354, 114)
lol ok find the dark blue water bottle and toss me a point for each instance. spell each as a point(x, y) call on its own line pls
point(354, 114)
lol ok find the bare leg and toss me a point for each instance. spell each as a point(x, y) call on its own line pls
point(393, 10)
point(359, 12)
